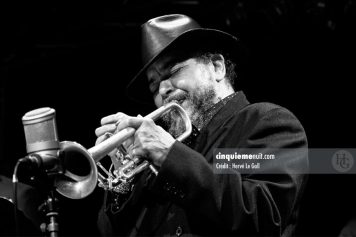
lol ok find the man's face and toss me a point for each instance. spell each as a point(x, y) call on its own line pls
point(190, 83)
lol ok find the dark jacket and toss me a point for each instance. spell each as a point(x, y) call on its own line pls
point(188, 197)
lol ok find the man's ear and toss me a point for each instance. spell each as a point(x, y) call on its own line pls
point(219, 67)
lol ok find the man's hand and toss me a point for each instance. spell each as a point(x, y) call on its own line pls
point(108, 126)
point(150, 141)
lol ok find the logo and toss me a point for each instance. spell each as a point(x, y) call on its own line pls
point(342, 161)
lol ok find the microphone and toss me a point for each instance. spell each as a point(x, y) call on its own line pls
point(41, 135)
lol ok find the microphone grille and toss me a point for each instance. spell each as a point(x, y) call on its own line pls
point(40, 130)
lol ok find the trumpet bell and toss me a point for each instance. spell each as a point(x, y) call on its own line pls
point(80, 175)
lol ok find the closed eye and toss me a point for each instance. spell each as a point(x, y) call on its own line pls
point(153, 85)
point(176, 70)
point(154, 82)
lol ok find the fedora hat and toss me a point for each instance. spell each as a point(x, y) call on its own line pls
point(175, 31)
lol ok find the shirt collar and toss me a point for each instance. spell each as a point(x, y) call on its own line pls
point(210, 114)
point(216, 107)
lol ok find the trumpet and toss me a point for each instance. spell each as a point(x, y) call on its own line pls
point(76, 186)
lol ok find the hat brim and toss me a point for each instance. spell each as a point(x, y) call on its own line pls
point(138, 88)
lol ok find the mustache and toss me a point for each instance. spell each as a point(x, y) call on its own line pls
point(176, 97)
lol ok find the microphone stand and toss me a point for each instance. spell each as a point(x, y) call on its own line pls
point(50, 208)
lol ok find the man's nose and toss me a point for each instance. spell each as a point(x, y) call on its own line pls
point(165, 88)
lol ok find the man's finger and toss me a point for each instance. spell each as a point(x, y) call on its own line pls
point(113, 118)
point(104, 129)
point(100, 139)
point(132, 122)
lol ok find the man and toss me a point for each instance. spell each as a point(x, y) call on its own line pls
point(195, 67)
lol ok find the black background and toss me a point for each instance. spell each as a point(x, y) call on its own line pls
point(77, 59)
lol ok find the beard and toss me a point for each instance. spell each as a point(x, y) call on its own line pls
point(196, 105)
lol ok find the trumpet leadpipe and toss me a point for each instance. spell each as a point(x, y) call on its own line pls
point(100, 150)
